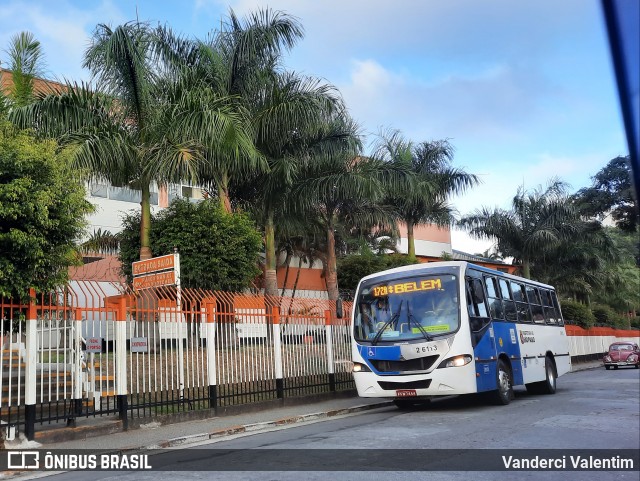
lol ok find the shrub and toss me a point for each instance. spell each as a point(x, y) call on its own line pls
point(577, 313)
point(218, 251)
point(354, 267)
point(605, 315)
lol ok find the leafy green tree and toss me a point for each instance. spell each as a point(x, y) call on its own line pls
point(137, 125)
point(42, 213)
point(424, 198)
point(218, 250)
point(352, 268)
point(612, 192)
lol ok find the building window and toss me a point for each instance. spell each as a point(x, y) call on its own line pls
point(122, 194)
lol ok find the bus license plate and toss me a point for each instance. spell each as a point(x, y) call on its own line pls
point(406, 392)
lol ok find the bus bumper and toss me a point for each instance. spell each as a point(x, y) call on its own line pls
point(440, 382)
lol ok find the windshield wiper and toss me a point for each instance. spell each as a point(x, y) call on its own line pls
point(411, 318)
point(378, 335)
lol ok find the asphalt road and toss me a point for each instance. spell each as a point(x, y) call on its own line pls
point(594, 409)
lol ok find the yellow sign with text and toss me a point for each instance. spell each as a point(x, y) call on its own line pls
point(406, 287)
point(436, 328)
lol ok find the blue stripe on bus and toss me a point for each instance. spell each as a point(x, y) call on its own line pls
point(489, 348)
point(383, 353)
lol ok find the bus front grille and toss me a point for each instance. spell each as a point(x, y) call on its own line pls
point(419, 364)
point(392, 386)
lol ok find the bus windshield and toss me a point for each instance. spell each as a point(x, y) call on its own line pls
point(408, 308)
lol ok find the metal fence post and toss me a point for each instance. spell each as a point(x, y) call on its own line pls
point(277, 352)
point(121, 361)
point(30, 380)
point(212, 372)
point(330, 362)
point(77, 367)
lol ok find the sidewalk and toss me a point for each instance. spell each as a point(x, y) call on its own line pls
point(106, 434)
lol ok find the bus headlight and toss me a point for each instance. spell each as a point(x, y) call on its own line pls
point(358, 367)
point(457, 361)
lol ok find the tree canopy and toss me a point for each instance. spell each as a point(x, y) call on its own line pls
point(218, 250)
point(42, 213)
point(611, 192)
point(538, 221)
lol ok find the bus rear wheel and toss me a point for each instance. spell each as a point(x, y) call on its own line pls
point(504, 394)
point(548, 386)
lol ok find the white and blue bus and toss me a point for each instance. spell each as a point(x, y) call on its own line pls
point(449, 328)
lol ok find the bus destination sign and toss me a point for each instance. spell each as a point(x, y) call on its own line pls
point(405, 287)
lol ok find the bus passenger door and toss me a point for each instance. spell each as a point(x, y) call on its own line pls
point(482, 335)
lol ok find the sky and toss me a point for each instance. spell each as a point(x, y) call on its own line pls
point(524, 91)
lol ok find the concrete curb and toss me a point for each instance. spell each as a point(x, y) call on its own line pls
point(585, 367)
point(256, 427)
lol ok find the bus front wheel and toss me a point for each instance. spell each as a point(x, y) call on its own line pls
point(504, 394)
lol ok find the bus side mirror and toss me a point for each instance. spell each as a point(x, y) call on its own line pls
point(339, 311)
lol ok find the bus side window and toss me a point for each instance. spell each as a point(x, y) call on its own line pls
point(522, 306)
point(536, 304)
point(510, 313)
point(477, 305)
point(550, 315)
point(557, 307)
point(495, 304)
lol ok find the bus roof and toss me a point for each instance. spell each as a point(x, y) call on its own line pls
point(463, 265)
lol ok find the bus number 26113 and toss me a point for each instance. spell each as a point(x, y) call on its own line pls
point(421, 349)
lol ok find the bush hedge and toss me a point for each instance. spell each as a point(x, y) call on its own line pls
point(577, 313)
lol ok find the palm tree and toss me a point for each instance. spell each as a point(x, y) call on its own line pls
point(423, 200)
point(243, 60)
point(287, 120)
point(101, 242)
point(136, 126)
point(584, 264)
point(489, 254)
point(537, 222)
point(26, 62)
point(342, 191)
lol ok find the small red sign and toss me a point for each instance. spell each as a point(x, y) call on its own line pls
point(406, 393)
point(94, 344)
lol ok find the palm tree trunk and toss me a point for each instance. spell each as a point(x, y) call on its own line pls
point(332, 269)
point(295, 282)
point(526, 269)
point(270, 279)
point(287, 261)
point(223, 193)
point(145, 223)
point(411, 243)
